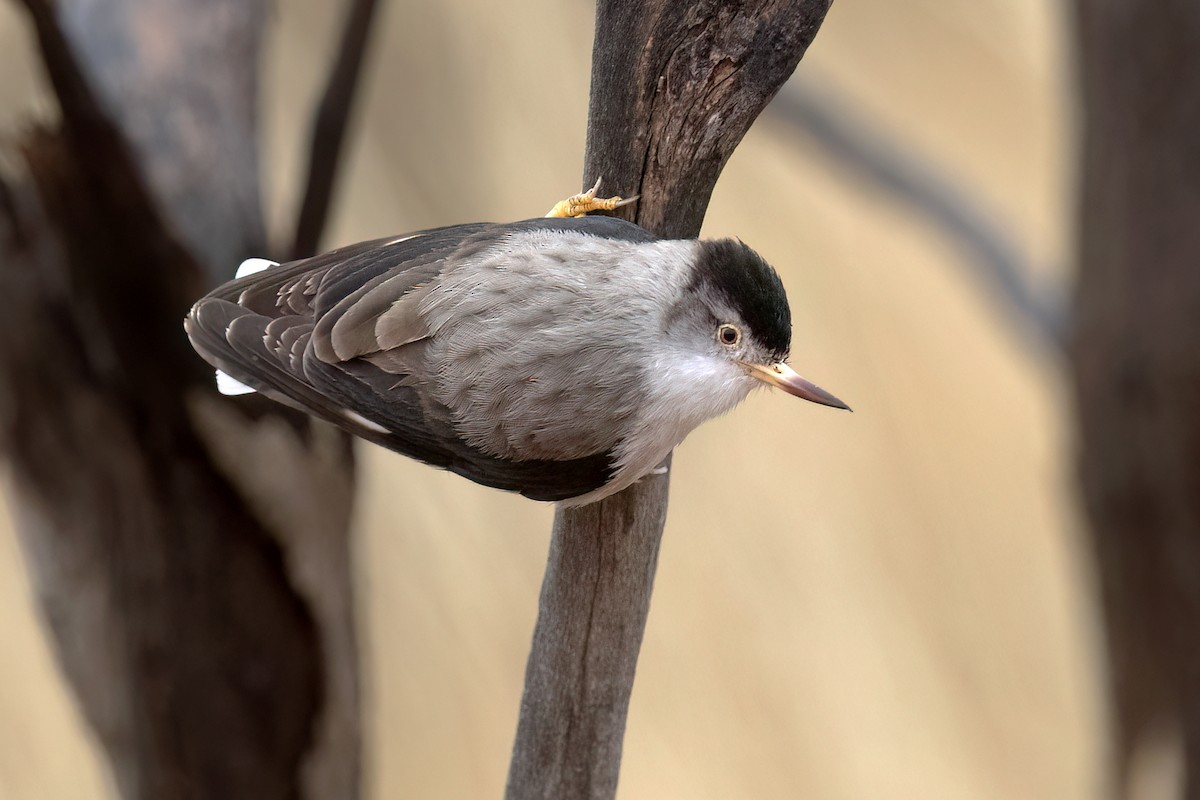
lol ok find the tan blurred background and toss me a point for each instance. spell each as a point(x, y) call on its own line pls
point(889, 604)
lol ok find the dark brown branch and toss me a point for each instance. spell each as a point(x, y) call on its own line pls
point(329, 130)
point(675, 87)
point(209, 655)
point(1136, 361)
point(109, 179)
point(169, 603)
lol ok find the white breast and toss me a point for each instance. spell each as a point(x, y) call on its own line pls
point(683, 391)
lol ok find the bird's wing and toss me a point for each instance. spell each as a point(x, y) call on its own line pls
point(307, 334)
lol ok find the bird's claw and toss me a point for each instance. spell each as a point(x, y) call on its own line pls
point(580, 204)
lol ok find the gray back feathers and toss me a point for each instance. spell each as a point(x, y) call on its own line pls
point(484, 349)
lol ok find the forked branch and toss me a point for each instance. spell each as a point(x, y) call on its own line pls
point(675, 87)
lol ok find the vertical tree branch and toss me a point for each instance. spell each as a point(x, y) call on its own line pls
point(329, 130)
point(1136, 361)
point(675, 87)
point(190, 553)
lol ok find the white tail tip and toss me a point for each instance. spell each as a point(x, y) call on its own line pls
point(229, 385)
point(253, 265)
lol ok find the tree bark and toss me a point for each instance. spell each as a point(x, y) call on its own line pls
point(675, 87)
point(190, 552)
point(1136, 358)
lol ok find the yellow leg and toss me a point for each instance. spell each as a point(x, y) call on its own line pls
point(580, 204)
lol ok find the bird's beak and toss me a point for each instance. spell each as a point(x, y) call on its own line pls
point(785, 378)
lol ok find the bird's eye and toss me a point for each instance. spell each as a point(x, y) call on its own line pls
point(728, 335)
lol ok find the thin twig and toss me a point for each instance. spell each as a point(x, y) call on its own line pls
point(827, 119)
point(329, 129)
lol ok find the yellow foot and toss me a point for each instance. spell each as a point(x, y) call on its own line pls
point(580, 204)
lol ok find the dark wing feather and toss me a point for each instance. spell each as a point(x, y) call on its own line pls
point(265, 295)
point(271, 330)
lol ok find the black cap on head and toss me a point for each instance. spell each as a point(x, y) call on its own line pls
point(741, 277)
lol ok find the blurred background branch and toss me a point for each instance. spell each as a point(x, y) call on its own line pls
point(329, 129)
point(1135, 361)
point(191, 554)
point(846, 135)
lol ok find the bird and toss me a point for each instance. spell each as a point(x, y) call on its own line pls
point(560, 357)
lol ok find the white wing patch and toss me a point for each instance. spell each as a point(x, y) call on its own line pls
point(359, 419)
point(231, 386)
point(253, 265)
point(400, 239)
